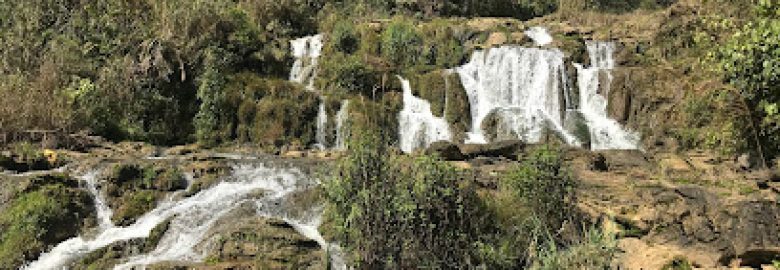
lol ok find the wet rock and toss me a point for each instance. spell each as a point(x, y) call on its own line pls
point(265, 243)
point(446, 150)
point(510, 149)
point(110, 256)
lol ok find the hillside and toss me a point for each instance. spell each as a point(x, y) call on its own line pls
point(387, 134)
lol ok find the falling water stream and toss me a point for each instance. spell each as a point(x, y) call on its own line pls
point(523, 85)
point(418, 127)
point(594, 87)
point(191, 217)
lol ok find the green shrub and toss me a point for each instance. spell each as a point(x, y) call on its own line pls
point(347, 74)
point(393, 212)
point(750, 61)
point(595, 250)
point(535, 214)
point(134, 189)
point(401, 43)
point(344, 37)
point(545, 187)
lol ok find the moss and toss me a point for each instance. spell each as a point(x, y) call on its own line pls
point(287, 115)
point(39, 218)
point(458, 109)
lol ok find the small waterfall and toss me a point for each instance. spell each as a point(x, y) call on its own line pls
point(342, 128)
point(192, 217)
point(322, 127)
point(103, 211)
point(418, 127)
point(539, 35)
point(306, 51)
point(594, 83)
point(522, 86)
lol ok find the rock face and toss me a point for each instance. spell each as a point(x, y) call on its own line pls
point(446, 150)
point(708, 222)
point(696, 218)
point(508, 149)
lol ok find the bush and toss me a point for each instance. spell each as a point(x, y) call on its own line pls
point(344, 37)
point(401, 43)
point(342, 73)
point(595, 250)
point(535, 214)
point(750, 61)
point(391, 212)
point(546, 188)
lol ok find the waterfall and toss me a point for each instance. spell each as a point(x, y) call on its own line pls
point(103, 211)
point(306, 51)
point(594, 83)
point(192, 217)
point(418, 127)
point(539, 35)
point(521, 86)
point(322, 126)
point(342, 128)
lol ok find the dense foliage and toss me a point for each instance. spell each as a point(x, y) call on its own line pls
point(391, 211)
point(751, 62)
point(137, 69)
point(396, 213)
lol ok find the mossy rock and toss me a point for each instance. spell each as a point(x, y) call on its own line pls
point(444, 91)
point(458, 109)
point(109, 256)
point(265, 243)
point(40, 217)
point(133, 189)
point(133, 205)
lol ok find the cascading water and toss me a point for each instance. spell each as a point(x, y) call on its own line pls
point(594, 83)
point(103, 211)
point(342, 130)
point(418, 127)
point(522, 86)
point(192, 217)
point(539, 35)
point(322, 126)
point(306, 51)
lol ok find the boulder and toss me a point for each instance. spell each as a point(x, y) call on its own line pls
point(618, 160)
point(508, 149)
point(446, 150)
